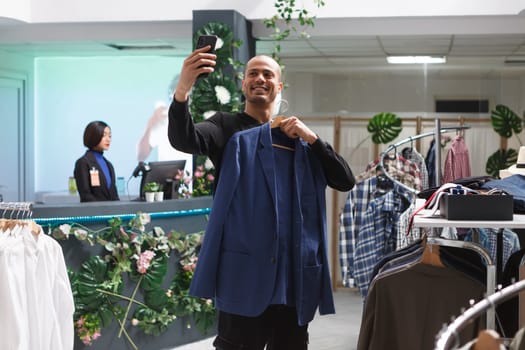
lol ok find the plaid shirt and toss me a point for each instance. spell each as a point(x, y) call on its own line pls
point(399, 168)
point(457, 162)
point(414, 156)
point(368, 229)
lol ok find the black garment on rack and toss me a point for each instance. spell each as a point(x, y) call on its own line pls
point(430, 162)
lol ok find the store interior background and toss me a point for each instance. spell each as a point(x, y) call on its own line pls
point(58, 71)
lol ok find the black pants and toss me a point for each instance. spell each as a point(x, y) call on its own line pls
point(276, 328)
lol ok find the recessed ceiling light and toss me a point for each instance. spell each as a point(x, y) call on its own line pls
point(416, 59)
point(131, 47)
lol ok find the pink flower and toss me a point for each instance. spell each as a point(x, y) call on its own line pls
point(96, 335)
point(144, 261)
point(80, 321)
point(86, 340)
point(198, 173)
point(210, 177)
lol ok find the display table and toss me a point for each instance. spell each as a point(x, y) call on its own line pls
point(423, 220)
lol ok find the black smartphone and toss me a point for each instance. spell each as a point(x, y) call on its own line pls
point(205, 40)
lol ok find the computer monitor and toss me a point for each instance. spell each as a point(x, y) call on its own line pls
point(164, 173)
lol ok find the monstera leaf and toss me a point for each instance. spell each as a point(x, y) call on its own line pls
point(154, 277)
point(500, 159)
point(384, 127)
point(505, 121)
point(90, 278)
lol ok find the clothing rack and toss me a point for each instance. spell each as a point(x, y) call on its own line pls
point(12, 210)
point(436, 133)
point(450, 333)
point(491, 268)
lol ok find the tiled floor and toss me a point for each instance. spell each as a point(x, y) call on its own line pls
point(330, 332)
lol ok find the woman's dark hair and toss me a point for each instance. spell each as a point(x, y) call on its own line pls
point(93, 133)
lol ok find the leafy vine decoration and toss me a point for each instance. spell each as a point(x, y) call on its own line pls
point(143, 256)
point(287, 11)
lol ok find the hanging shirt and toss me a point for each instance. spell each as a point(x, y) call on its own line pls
point(457, 161)
point(377, 237)
point(35, 293)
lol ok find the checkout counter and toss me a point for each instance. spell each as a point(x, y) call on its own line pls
point(182, 215)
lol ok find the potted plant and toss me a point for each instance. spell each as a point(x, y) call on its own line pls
point(150, 190)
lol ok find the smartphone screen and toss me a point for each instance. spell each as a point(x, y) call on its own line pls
point(205, 40)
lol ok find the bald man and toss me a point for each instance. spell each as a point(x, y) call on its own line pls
point(258, 243)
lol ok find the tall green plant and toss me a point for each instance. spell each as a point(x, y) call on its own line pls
point(506, 123)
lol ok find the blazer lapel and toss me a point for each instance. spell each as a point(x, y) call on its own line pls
point(265, 156)
point(300, 160)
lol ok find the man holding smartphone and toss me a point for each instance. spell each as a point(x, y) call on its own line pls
point(257, 253)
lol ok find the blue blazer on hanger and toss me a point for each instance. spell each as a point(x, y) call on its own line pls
point(237, 262)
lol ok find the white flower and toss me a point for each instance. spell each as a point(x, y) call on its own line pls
point(80, 234)
point(208, 164)
point(66, 229)
point(223, 95)
point(208, 114)
point(219, 43)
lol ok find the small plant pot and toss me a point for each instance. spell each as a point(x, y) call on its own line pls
point(150, 196)
point(159, 196)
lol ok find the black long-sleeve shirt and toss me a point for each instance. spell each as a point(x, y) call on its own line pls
point(210, 136)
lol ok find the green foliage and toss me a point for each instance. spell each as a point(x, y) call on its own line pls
point(226, 43)
point(218, 92)
point(202, 181)
point(92, 278)
point(215, 93)
point(505, 121)
point(152, 187)
point(384, 127)
point(501, 159)
point(287, 11)
point(144, 257)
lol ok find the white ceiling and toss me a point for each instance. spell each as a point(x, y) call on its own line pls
point(475, 47)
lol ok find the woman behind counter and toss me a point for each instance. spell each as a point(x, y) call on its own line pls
point(94, 174)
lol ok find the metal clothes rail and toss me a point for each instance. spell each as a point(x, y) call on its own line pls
point(449, 335)
point(436, 133)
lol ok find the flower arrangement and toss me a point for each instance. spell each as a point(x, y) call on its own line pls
point(201, 184)
point(98, 286)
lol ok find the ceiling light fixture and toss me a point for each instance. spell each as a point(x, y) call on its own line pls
point(416, 59)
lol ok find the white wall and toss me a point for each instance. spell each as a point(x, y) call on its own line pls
point(131, 10)
point(71, 92)
point(329, 94)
